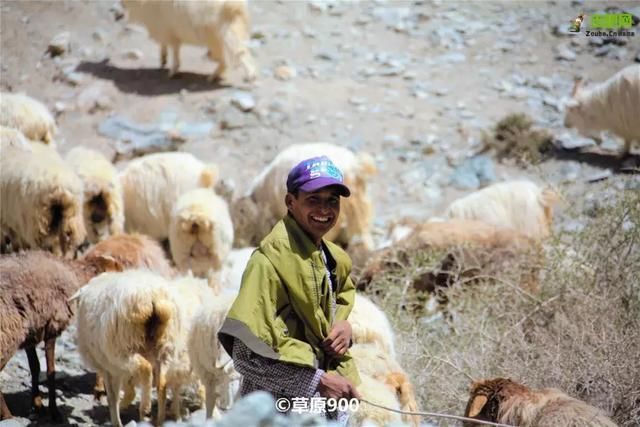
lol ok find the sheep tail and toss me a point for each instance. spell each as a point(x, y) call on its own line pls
point(153, 316)
point(209, 176)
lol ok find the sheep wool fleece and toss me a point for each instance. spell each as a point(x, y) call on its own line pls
point(283, 308)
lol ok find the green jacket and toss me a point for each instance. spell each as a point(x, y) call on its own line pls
point(283, 308)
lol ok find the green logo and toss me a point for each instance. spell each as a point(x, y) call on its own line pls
point(611, 21)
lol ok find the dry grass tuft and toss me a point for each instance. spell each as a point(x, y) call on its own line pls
point(514, 137)
point(579, 332)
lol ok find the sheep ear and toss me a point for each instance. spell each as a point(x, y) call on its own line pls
point(109, 263)
point(476, 405)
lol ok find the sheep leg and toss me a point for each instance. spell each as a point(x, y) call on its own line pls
point(162, 394)
point(5, 413)
point(98, 388)
point(34, 367)
point(163, 55)
point(113, 385)
point(146, 378)
point(211, 397)
point(217, 54)
point(175, 51)
point(176, 408)
point(50, 354)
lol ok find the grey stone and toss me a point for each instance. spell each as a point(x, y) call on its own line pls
point(441, 91)
point(234, 119)
point(603, 50)
point(561, 30)
point(572, 226)
point(596, 41)
point(474, 173)
point(543, 82)
point(59, 107)
point(60, 44)
point(570, 141)
point(392, 140)
point(327, 56)
point(392, 16)
point(391, 70)
point(73, 78)
point(243, 100)
point(93, 98)
point(133, 54)
point(252, 410)
point(564, 52)
point(99, 35)
point(117, 11)
point(452, 58)
point(619, 53)
point(600, 176)
point(570, 171)
point(14, 422)
point(552, 102)
point(133, 139)
point(632, 184)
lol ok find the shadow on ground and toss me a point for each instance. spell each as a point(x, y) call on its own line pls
point(148, 81)
point(602, 159)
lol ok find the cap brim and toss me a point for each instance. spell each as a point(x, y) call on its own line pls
point(318, 183)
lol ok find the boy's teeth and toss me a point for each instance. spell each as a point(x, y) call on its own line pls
point(320, 219)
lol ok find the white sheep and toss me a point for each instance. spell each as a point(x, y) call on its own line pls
point(520, 205)
point(374, 362)
point(152, 184)
point(375, 391)
point(28, 115)
point(206, 352)
point(189, 294)
point(612, 105)
point(369, 324)
point(200, 232)
point(41, 200)
point(234, 266)
point(126, 322)
point(103, 206)
point(268, 191)
point(220, 25)
point(13, 138)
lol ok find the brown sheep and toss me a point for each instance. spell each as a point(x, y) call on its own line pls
point(34, 288)
point(501, 400)
point(133, 251)
point(472, 246)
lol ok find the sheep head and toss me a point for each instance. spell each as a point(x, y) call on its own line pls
point(487, 398)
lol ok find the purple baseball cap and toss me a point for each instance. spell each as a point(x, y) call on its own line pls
point(316, 173)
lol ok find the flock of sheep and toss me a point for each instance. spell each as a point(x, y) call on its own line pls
point(148, 259)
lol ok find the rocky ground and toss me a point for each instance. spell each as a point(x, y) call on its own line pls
point(412, 83)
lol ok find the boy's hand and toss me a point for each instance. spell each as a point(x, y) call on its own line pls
point(337, 387)
point(337, 343)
